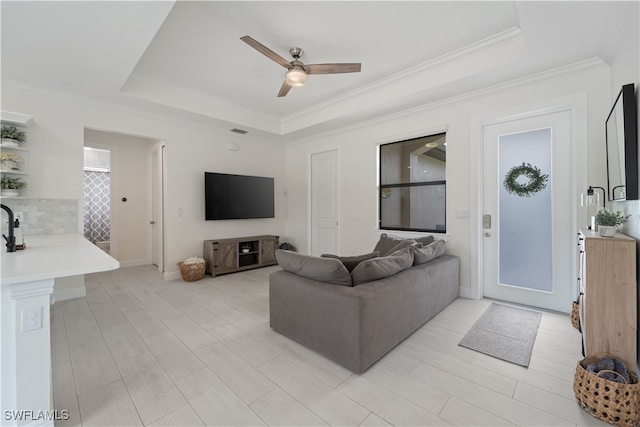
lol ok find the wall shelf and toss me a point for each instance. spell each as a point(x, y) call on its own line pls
point(21, 121)
point(8, 147)
point(12, 118)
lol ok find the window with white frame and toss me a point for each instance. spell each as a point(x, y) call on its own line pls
point(413, 184)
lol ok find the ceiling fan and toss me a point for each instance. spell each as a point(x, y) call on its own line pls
point(297, 72)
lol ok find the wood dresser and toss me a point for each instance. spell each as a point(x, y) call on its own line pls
point(608, 296)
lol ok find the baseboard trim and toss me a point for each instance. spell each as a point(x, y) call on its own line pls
point(172, 275)
point(134, 263)
point(466, 293)
point(65, 294)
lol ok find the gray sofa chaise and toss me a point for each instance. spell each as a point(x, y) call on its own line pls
point(313, 302)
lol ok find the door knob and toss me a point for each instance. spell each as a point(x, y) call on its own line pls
point(487, 234)
point(152, 222)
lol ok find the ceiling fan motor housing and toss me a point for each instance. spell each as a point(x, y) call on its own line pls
point(296, 52)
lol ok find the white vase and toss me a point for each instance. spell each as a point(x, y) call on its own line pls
point(8, 142)
point(607, 230)
point(9, 192)
point(10, 165)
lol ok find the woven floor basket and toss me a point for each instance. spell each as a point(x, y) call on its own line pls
point(575, 315)
point(612, 402)
point(192, 272)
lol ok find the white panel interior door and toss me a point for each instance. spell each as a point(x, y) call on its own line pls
point(325, 198)
point(156, 206)
point(529, 237)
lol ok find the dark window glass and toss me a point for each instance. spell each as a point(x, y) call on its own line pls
point(413, 184)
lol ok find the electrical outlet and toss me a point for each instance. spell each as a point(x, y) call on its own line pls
point(19, 216)
point(31, 319)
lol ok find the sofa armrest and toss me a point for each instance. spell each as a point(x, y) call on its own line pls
point(321, 316)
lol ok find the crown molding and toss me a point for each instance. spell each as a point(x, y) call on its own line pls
point(160, 92)
point(275, 140)
point(120, 108)
point(496, 50)
point(576, 67)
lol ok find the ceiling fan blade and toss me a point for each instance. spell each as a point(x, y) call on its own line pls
point(284, 89)
point(332, 68)
point(266, 51)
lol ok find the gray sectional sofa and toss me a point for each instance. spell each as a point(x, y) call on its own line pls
point(313, 300)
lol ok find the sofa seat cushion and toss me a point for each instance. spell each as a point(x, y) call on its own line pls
point(350, 262)
point(428, 252)
point(328, 270)
point(381, 267)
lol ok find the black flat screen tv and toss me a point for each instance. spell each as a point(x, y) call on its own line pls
point(237, 196)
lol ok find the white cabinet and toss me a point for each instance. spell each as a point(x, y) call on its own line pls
point(14, 164)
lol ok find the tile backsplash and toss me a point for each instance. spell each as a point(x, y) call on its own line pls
point(43, 216)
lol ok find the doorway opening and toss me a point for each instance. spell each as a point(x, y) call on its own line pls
point(97, 197)
point(131, 203)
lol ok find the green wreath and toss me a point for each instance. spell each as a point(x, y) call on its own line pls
point(536, 180)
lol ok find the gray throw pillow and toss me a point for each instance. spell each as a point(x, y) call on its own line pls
point(350, 262)
point(425, 240)
point(386, 243)
point(405, 243)
point(429, 252)
point(329, 270)
point(381, 267)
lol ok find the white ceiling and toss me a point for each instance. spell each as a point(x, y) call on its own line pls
point(186, 58)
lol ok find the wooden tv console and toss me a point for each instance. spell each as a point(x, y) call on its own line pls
point(238, 254)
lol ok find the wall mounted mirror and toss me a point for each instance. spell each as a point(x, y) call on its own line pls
point(622, 146)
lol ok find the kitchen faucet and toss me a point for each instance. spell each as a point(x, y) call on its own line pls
point(11, 239)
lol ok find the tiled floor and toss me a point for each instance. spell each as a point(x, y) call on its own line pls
point(140, 350)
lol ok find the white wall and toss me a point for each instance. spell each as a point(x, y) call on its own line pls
point(625, 68)
point(56, 140)
point(358, 147)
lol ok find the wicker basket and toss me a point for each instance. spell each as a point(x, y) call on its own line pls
point(192, 272)
point(612, 402)
point(575, 315)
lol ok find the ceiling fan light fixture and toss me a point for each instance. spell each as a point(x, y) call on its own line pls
point(296, 77)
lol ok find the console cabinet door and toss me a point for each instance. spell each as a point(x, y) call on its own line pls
point(226, 257)
point(268, 251)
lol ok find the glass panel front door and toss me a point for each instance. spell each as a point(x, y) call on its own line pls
point(525, 209)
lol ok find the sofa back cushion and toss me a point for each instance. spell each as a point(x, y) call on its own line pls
point(329, 270)
point(381, 267)
point(425, 240)
point(350, 262)
point(429, 252)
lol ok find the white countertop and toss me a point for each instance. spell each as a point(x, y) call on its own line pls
point(52, 256)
